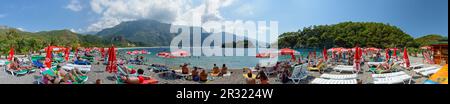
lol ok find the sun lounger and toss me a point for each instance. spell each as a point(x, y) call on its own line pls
point(425, 69)
point(334, 81)
point(15, 72)
point(334, 76)
point(393, 79)
point(3, 62)
point(429, 72)
point(388, 74)
point(298, 74)
point(416, 66)
point(345, 69)
point(83, 68)
point(374, 63)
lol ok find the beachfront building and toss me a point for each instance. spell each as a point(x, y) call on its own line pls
point(440, 52)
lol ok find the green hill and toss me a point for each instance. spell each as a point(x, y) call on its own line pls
point(347, 34)
point(430, 39)
point(26, 41)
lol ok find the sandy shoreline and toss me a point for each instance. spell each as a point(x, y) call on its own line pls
point(98, 72)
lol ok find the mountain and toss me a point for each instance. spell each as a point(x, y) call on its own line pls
point(151, 33)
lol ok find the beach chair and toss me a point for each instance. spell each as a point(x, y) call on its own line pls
point(392, 78)
point(414, 66)
point(341, 69)
point(427, 70)
point(158, 69)
point(3, 62)
point(320, 67)
point(341, 77)
point(334, 81)
point(298, 74)
point(15, 72)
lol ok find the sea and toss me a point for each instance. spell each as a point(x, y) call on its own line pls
point(207, 62)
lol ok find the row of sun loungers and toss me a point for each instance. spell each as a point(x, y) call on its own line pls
point(391, 78)
point(427, 70)
point(336, 79)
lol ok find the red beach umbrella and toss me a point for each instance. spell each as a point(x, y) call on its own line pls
point(48, 58)
point(11, 53)
point(406, 58)
point(325, 55)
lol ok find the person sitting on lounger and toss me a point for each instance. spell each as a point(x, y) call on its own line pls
point(60, 73)
point(215, 71)
point(385, 66)
point(15, 65)
point(262, 77)
point(47, 79)
point(98, 81)
point(250, 79)
point(203, 76)
point(184, 69)
point(195, 75)
point(224, 70)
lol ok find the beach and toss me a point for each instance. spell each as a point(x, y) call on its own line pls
point(236, 77)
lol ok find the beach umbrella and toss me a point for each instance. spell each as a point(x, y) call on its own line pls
point(325, 55)
point(387, 54)
point(180, 53)
point(287, 51)
point(66, 54)
point(405, 57)
point(102, 51)
point(395, 52)
point(357, 58)
point(48, 58)
point(76, 52)
point(11, 53)
point(111, 67)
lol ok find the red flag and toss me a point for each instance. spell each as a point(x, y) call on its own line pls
point(66, 53)
point(48, 58)
point(11, 53)
point(405, 57)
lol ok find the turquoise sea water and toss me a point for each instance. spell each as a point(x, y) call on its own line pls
point(234, 62)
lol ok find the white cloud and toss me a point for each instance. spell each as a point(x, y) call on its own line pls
point(245, 10)
point(113, 12)
point(75, 5)
point(21, 29)
point(2, 15)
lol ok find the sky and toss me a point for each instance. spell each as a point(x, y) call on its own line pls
point(415, 17)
